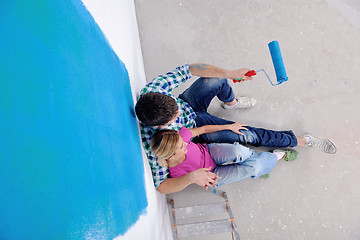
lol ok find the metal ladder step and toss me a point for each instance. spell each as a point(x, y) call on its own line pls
point(200, 210)
point(204, 228)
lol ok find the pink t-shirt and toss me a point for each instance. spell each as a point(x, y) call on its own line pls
point(197, 156)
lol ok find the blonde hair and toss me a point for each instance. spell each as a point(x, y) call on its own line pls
point(164, 144)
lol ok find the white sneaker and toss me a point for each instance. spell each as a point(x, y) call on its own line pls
point(324, 145)
point(242, 102)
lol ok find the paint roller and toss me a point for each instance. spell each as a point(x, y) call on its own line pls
point(277, 62)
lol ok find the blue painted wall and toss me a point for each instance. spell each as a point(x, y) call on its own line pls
point(71, 164)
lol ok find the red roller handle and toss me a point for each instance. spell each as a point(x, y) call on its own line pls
point(248, 74)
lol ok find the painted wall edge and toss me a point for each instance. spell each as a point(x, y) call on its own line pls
point(117, 20)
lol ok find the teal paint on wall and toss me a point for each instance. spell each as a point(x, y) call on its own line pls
point(71, 164)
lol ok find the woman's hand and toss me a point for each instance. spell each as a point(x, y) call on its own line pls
point(236, 127)
point(204, 177)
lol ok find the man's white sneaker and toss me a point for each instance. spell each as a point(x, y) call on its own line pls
point(242, 102)
point(324, 145)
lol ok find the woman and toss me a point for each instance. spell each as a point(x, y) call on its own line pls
point(176, 151)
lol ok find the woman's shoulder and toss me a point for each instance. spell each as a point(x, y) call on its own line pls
point(186, 134)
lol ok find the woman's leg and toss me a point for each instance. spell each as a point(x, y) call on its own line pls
point(227, 152)
point(254, 167)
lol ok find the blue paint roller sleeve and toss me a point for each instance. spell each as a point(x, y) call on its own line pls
point(277, 61)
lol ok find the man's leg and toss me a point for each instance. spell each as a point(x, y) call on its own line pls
point(253, 136)
point(203, 90)
point(199, 96)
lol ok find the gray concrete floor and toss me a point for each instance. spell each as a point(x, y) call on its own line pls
point(316, 196)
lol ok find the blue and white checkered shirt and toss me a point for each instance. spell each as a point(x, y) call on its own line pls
point(165, 84)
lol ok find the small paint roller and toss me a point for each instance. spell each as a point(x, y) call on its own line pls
point(277, 62)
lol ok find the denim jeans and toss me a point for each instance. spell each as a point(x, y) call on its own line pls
point(199, 96)
point(245, 162)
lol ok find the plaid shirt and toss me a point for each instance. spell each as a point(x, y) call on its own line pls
point(165, 84)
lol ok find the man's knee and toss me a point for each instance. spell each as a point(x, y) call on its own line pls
point(249, 137)
point(211, 82)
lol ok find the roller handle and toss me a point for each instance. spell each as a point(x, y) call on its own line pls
point(248, 74)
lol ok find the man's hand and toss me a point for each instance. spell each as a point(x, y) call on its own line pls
point(204, 178)
point(235, 127)
point(239, 74)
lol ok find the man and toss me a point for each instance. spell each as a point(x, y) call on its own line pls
point(157, 108)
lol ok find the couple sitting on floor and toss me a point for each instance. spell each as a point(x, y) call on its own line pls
point(185, 144)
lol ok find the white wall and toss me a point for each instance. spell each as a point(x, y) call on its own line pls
point(117, 20)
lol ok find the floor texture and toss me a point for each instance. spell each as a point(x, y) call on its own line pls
point(316, 196)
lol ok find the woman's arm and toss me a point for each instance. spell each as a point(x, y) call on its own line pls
point(235, 127)
point(202, 177)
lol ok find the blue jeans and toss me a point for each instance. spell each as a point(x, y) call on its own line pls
point(245, 162)
point(199, 96)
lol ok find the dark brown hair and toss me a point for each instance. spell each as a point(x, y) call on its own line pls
point(155, 109)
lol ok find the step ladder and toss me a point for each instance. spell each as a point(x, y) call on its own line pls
point(206, 227)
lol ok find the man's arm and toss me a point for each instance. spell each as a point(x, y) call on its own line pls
point(202, 177)
point(235, 127)
point(167, 82)
point(207, 70)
